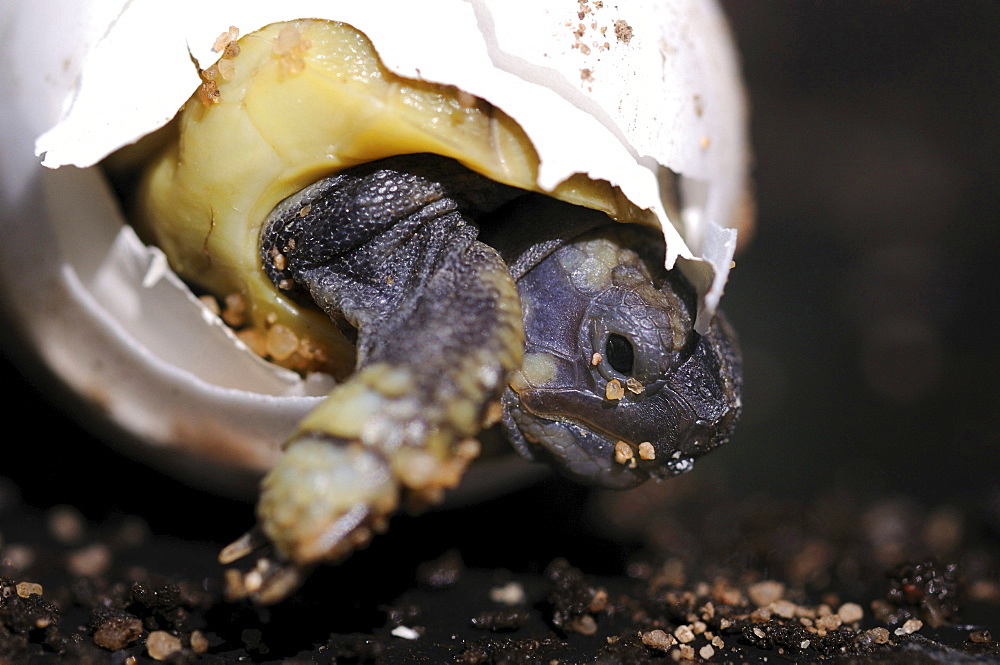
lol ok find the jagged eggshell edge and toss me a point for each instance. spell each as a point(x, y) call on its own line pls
point(621, 94)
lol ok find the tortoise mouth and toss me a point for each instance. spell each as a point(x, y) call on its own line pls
point(630, 442)
point(622, 443)
point(573, 446)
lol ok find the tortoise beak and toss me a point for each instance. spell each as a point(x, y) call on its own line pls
point(692, 411)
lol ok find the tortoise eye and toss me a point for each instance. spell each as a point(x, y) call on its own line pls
point(619, 353)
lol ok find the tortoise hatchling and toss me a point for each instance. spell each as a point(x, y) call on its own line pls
point(393, 230)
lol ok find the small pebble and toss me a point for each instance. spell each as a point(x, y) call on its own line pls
point(66, 524)
point(910, 627)
point(89, 561)
point(199, 643)
point(17, 557)
point(684, 634)
point(255, 339)
point(226, 38)
point(282, 341)
point(764, 593)
point(405, 632)
point(278, 260)
point(614, 390)
point(599, 601)
point(984, 591)
point(117, 633)
point(980, 636)
point(132, 531)
point(784, 608)
point(658, 639)
point(828, 622)
point(227, 68)
point(585, 625)
point(511, 593)
point(943, 530)
point(673, 573)
point(646, 451)
point(234, 310)
point(850, 613)
point(706, 652)
point(25, 589)
point(623, 453)
point(161, 645)
point(873, 636)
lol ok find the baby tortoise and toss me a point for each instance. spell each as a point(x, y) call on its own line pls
point(395, 225)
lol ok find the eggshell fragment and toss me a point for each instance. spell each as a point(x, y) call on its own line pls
point(644, 95)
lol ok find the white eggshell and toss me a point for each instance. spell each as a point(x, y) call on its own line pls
point(626, 92)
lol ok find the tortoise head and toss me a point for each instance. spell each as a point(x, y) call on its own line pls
point(617, 387)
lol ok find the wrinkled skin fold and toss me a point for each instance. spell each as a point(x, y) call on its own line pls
point(565, 326)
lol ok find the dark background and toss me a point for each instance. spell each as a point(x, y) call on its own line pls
point(866, 304)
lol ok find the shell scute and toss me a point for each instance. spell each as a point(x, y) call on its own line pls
point(278, 127)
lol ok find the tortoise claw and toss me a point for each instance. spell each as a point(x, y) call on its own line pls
point(245, 545)
point(272, 578)
point(268, 582)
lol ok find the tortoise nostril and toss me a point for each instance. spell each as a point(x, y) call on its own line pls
point(619, 353)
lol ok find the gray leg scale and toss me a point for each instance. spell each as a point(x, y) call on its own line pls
point(390, 249)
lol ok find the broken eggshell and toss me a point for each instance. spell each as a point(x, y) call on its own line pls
point(644, 95)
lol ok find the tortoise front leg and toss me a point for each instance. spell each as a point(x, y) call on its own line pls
point(390, 249)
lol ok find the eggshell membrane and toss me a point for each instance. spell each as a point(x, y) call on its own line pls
point(106, 73)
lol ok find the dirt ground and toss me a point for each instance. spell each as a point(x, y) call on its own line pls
point(549, 574)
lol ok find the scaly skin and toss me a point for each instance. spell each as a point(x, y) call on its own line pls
point(616, 387)
point(393, 253)
point(389, 249)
